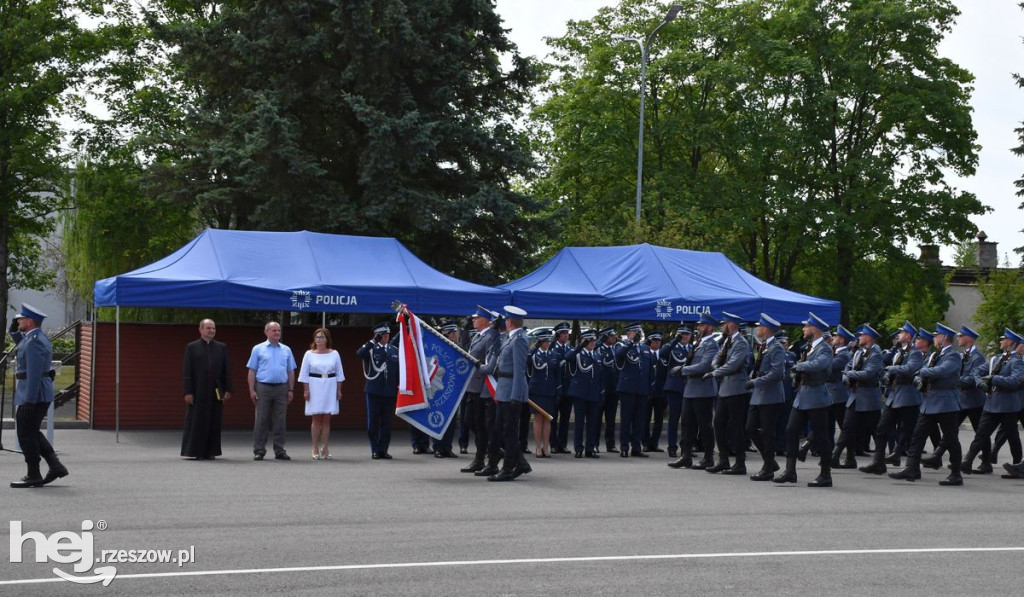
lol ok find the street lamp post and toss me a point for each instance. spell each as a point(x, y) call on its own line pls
point(644, 49)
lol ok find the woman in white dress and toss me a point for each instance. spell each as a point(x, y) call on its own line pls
point(322, 375)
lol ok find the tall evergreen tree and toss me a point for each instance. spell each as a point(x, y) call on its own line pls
point(371, 117)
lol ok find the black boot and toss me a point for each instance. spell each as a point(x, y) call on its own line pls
point(836, 452)
point(824, 478)
point(877, 466)
point(894, 457)
point(684, 462)
point(954, 479)
point(790, 475)
point(492, 465)
point(911, 472)
point(32, 479)
point(935, 460)
point(723, 464)
point(706, 462)
point(57, 470)
point(740, 468)
point(476, 465)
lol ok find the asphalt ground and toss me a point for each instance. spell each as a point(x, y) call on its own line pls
point(416, 526)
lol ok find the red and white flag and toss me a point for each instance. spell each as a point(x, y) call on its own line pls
point(414, 372)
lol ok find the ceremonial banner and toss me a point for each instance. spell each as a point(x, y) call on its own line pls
point(437, 373)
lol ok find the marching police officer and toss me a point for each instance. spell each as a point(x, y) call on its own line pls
point(842, 350)
point(733, 400)
point(973, 366)
point(698, 397)
point(673, 355)
point(509, 368)
point(380, 367)
point(635, 362)
point(586, 386)
point(33, 396)
point(940, 408)
point(1002, 381)
point(864, 407)
point(768, 395)
point(811, 403)
point(903, 400)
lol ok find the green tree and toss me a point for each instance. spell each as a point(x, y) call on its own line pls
point(45, 57)
point(966, 254)
point(796, 136)
point(1002, 305)
point(376, 117)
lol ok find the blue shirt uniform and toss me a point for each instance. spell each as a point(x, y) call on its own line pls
point(731, 366)
point(699, 362)
point(1007, 371)
point(864, 372)
point(673, 355)
point(586, 375)
point(768, 375)
point(973, 366)
point(35, 359)
point(840, 359)
point(814, 372)
point(902, 391)
point(635, 362)
point(941, 380)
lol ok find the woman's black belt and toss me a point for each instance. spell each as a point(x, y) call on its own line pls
point(322, 375)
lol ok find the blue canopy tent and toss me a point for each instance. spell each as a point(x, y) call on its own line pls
point(289, 271)
point(650, 283)
point(294, 271)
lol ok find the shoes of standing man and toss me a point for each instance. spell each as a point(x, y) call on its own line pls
point(639, 454)
point(591, 455)
point(282, 456)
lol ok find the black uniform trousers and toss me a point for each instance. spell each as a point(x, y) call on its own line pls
point(524, 426)
point(697, 417)
point(1007, 423)
point(762, 420)
point(587, 424)
point(1001, 435)
point(798, 419)
point(465, 425)
point(902, 420)
point(929, 425)
point(34, 445)
point(857, 425)
point(611, 405)
point(508, 419)
point(655, 420)
point(730, 425)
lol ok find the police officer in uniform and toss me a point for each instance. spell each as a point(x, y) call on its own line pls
point(733, 399)
point(811, 403)
point(973, 366)
point(544, 369)
point(673, 355)
point(698, 397)
point(380, 367)
point(654, 419)
point(768, 394)
point(442, 448)
point(586, 386)
point(560, 416)
point(508, 366)
point(481, 405)
point(635, 362)
point(938, 381)
point(864, 407)
point(903, 400)
point(33, 396)
point(1002, 382)
point(842, 350)
point(607, 341)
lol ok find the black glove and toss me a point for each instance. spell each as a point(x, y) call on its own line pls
point(13, 327)
point(749, 385)
point(676, 370)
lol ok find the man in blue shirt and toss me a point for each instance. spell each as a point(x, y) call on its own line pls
point(33, 396)
point(271, 389)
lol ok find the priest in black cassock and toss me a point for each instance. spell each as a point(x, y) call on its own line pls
point(206, 381)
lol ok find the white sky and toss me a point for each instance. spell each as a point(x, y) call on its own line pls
point(986, 41)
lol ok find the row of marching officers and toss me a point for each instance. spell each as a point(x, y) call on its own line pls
point(728, 392)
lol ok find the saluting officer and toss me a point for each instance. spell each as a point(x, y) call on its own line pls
point(481, 405)
point(380, 367)
point(33, 396)
point(1002, 381)
point(509, 368)
point(811, 404)
point(973, 366)
point(635, 362)
point(607, 340)
point(768, 395)
point(673, 355)
point(586, 387)
point(733, 400)
point(864, 407)
point(698, 397)
point(544, 368)
point(940, 408)
point(903, 400)
point(560, 416)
